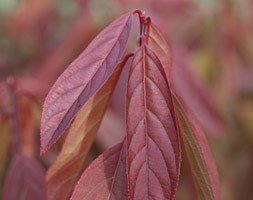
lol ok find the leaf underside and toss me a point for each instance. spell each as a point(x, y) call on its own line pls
point(202, 163)
point(66, 170)
point(105, 178)
point(153, 150)
point(82, 79)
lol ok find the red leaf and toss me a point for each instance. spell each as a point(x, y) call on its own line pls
point(153, 149)
point(25, 180)
point(202, 163)
point(105, 178)
point(63, 175)
point(82, 79)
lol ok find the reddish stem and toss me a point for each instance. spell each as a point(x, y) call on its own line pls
point(147, 28)
point(144, 26)
point(142, 19)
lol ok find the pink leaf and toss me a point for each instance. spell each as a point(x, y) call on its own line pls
point(105, 178)
point(82, 79)
point(153, 149)
point(25, 180)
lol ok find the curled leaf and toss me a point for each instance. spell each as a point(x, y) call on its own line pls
point(153, 149)
point(82, 79)
point(203, 167)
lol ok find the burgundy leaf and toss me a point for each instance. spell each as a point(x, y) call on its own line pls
point(82, 79)
point(25, 180)
point(153, 149)
point(105, 178)
point(199, 154)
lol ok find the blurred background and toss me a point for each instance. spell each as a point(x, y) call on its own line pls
point(212, 54)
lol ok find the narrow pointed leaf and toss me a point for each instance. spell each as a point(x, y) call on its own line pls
point(66, 170)
point(25, 180)
point(82, 79)
point(105, 178)
point(153, 149)
point(158, 44)
point(199, 154)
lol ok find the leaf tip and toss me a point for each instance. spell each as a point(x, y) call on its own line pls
point(42, 151)
point(44, 146)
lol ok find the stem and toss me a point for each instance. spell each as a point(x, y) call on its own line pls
point(147, 28)
point(142, 19)
point(144, 26)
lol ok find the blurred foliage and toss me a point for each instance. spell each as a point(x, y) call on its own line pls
point(38, 39)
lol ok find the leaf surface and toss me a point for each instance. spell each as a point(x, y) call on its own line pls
point(25, 180)
point(83, 78)
point(66, 170)
point(158, 44)
point(153, 149)
point(105, 178)
point(203, 167)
